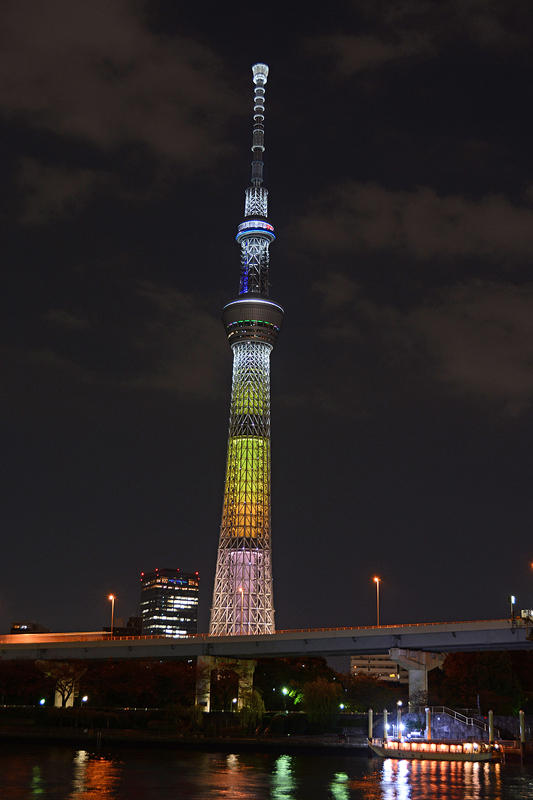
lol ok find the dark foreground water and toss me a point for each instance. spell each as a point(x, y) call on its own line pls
point(61, 773)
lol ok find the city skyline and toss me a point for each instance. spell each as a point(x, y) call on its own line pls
point(400, 162)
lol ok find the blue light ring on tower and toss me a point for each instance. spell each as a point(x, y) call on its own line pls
point(255, 227)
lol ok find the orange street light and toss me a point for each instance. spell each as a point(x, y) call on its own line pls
point(377, 581)
point(112, 598)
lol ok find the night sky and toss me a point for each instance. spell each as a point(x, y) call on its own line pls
point(400, 169)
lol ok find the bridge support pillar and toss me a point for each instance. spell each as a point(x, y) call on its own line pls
point(204, 666)
point(244, 668)
point(418, 663)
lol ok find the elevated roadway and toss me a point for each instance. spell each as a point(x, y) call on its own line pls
point(434, 637)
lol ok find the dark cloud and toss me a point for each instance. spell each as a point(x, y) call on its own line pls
point(481, 335)
point(95, 71)
point(176, 345)
point(66, 319)
point(421, 222)
point(184, 343)
point(357, 53)
point(49, 192)
point(400, 30)
point(477, 337)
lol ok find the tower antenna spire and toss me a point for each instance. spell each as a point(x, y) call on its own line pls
point(242, 597)
point(260, 75)
point(256, 233)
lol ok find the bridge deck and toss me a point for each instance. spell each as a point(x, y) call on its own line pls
point(503, 634)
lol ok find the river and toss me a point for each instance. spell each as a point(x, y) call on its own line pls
point(66, 773)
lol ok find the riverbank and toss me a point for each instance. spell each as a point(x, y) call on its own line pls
point(96, 739)
point(91, 738)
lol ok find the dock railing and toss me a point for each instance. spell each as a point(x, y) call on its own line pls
point(473, 722)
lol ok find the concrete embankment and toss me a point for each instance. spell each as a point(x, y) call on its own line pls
point(95, 738)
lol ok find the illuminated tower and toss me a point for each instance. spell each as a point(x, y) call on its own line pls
point(242, 597)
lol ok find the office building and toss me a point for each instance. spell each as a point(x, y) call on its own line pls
point(169, 602)
point(380, 667)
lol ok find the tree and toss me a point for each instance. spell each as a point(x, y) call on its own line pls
point(127, 683)
point(362, 692)
point(490, 677)
point(321, 703)
point(66, 675)
point(224, 687)
point(251, 715)
point(273, 674)
point(22, 682)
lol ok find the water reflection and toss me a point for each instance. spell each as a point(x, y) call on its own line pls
point(339, 788)
point(445, 780)
point(63, 773)
point(94, 777)
point(395, 780)
point(37, 786)
point(282, 786)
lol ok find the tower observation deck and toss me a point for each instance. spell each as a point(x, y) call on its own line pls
point(242, 596)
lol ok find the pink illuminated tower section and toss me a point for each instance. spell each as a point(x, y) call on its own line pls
point(242, 597)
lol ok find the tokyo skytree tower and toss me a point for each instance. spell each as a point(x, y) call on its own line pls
point(242, 597)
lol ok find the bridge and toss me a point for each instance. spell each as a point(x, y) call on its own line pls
point(432, 637)
point(419, 647)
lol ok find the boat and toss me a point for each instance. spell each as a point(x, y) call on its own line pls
point(435, 750)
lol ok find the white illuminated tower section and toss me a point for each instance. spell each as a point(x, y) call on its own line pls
point(242, 597)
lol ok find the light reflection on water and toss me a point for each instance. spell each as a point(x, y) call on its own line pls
point(282, 787)
point(339, 787)
point(449, 780)
point(61, 773)
point(94, 777)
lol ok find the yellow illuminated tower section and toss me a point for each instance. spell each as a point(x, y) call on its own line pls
point(242, 597)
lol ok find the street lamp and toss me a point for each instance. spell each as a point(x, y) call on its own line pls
point(399, 705)
point(241, 590)
point(512, 603)
point(284, 692)
point(112, 598)
point(377, 581)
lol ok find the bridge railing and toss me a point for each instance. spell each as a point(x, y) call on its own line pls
point(91, 636)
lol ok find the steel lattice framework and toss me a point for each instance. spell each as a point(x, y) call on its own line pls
point(243, 597)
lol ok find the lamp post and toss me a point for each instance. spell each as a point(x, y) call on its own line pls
point(112, 598)
point(512, 603)
point(377, 581)
point(284, 692)
point(399, 705)
point(241, 590)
